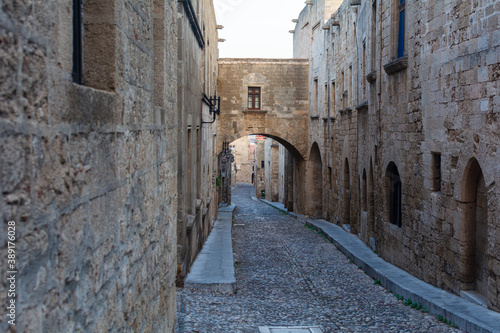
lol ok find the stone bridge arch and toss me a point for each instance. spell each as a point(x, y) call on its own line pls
point(267, 97)
point(282, 111)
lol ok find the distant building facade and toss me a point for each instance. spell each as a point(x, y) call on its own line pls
point(244, 160)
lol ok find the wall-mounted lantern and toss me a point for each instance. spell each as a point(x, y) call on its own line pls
point(214, 105)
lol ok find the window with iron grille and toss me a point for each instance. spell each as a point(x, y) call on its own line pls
point(253, 98)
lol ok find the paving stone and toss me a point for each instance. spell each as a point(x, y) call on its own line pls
point(291, 276)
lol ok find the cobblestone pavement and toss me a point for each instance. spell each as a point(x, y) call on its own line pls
point(288, 275)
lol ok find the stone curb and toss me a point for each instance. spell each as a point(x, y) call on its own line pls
point(466, 315)
point(292, 214)
point(213, 268)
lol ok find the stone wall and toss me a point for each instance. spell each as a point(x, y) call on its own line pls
point(423, 120)
point(88, 171)
point(197, 165)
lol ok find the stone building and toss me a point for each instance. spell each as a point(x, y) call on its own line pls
point(196, 147)
point(268, 97)
point(244, 160)
point(98, 118)
point(403, 133)
point(260, 171)
point(272, 169)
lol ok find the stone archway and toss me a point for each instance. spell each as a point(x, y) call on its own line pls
point(294, 174)
point(474, 259)
point(268, 97)
point(314, 193)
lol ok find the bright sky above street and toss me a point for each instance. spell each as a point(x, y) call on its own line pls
point(257, 28)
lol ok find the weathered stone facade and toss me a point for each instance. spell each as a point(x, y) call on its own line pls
point(89, 171)
point(260, 171)
point(271, 163)
point(244, 160)
point(280, 115)
point(403, 132)
point(197, 165)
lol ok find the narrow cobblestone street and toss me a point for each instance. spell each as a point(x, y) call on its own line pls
point(289, 275)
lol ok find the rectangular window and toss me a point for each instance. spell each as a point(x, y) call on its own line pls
point(77, 41)
point(253, 98)
point(262, 164)
point(325, 104)
point(342, 91)
point(436, 172)
point(315, 98)
point(373, 36)
point(349, 88)
point(401, 30)
point(363, 78)
point(333, 98)
point(330, 173)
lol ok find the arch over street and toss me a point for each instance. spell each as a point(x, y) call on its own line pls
point(268, 97)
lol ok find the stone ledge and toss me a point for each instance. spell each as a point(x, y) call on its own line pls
point(345, 110)
point(314, 117)
point(371, 77)
point(396, 65)
point(363, 106)
point(468, 316)
point(254, 111)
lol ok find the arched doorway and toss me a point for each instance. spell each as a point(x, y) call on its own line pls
point(315, 181)
point(474, 230)
point(393, 195)
point(346, 194)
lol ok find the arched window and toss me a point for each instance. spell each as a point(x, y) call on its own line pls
point(393, 195)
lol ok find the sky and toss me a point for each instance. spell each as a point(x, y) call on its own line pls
point(257, 28)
